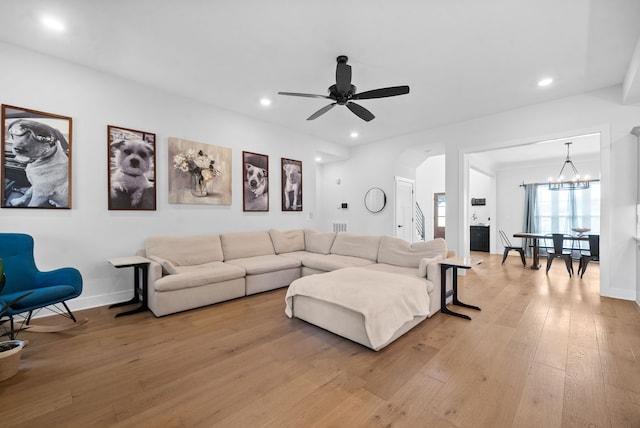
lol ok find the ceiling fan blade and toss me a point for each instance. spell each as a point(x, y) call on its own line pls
point(382, 93)
point(343, 77)
point(322, 111)
point(296, 94)
point(360, 111)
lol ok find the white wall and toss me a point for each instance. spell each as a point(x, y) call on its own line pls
point(371, 165)
point(89, 234)
point(480, 188)
point(599, 111)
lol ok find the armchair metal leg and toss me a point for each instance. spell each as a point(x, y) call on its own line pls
point(69, 311)
point(504, 256)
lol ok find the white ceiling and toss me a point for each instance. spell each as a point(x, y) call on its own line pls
point(462, 59)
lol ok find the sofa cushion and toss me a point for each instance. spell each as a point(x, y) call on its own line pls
point(196, 276)
point(185, 250)
point(318, 242)
point(264, 264)
point(354, 245)
point(331, 262)
point(398, 252)
point(286, 242)
point(246, 244)
point(401, 270)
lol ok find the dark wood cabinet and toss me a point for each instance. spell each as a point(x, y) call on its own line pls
point(479, 238)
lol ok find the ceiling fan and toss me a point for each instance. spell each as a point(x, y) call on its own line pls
point(343, 92)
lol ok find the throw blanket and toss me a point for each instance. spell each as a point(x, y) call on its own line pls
point(387, 301)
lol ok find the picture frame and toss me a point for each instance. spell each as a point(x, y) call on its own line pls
point(255, 181)
point(291, 172)
point(36, 159)
point(131, 165)
point(199, 173)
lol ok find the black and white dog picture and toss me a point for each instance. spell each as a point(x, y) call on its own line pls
point(36, 159)
point(291, 185)
point(132, 157)
point(255, 170)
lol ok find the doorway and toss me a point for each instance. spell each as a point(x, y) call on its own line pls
point(404, 209)
point(439, 214)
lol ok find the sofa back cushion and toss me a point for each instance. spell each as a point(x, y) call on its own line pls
point(395, 251)
point(318, 242)
point(287, 242)
point(246, 244)
point(351, 244)
point(185, 250)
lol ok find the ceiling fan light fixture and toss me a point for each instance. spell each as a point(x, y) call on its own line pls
point(343, 92)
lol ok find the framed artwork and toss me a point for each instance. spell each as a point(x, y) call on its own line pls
point(291, 185)
point(36, 159)
point(199, 173)
point(132, 169)
point(255, 178)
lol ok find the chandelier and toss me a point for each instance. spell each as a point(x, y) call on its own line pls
point(575, 182)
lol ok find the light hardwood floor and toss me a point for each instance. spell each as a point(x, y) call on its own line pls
point(545, 351)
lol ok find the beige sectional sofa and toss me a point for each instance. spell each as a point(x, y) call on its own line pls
point(192, 271)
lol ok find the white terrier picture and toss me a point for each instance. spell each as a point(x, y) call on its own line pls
point(133, 160)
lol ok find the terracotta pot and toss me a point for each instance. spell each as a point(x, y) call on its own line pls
point(10, 358)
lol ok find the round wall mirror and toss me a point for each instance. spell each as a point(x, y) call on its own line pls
point(375, 200)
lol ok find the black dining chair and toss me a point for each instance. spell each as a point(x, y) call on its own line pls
point(508, 246)
point(592, 254)
point(559, 251)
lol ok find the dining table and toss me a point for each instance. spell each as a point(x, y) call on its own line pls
point(535, 237)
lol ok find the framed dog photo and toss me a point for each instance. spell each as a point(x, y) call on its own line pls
point(291, 185)
point(255, 190)
point(132, 169)
point(36, 159)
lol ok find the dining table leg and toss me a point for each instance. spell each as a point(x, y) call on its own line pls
point(536, 255)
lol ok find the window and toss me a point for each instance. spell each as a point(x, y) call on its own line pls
point(559, 211)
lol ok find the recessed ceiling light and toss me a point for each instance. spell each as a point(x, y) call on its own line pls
point(318, 159)
point(354, 134)
point(266, 102)
point(52, 23)
point(545, 82)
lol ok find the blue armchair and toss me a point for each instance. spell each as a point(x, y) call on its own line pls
point(47, 289)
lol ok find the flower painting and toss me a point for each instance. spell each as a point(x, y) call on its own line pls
point(199, 173)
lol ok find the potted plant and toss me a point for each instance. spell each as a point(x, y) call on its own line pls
point(10, 350)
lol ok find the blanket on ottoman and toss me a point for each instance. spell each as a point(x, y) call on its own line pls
point(386, 301)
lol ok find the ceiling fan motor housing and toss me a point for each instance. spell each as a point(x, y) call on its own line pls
point(341, 98)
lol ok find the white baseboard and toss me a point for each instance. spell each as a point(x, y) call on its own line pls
point(80, 303)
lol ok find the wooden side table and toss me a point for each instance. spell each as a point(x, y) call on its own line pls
point(454, 263)
point(141, 272)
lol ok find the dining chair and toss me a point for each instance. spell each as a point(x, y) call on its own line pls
point(559, 251)
point(508, 246)
point(592, 254)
